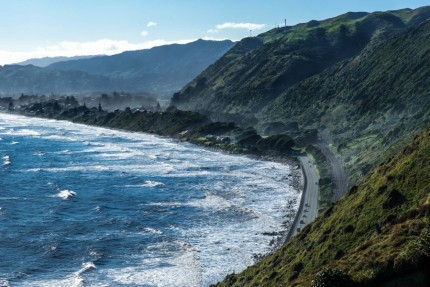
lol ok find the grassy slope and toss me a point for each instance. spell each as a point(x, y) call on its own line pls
point(259, 69)
point(396, 195)
point(367, 103)
point(368, 97)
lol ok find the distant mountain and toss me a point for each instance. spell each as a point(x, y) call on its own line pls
point(35, 80)
point(160, 71)
point(43, 62)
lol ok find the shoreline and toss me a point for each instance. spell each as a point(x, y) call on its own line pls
point(297, 173)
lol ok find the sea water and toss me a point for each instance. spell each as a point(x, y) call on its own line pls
point(88, 206)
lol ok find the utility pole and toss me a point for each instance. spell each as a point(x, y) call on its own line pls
point(250, 33)
point(285, 23)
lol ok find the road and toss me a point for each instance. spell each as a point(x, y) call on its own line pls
point(308, 209)
point(340, 179)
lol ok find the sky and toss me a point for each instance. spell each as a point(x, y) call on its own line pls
point(41, 28)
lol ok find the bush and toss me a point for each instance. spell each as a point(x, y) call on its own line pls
point(332, 277)
point(422, 244)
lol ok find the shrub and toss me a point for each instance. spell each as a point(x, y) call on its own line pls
point(332, 277)
point(422, 244)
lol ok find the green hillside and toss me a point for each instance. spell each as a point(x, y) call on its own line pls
point(367, 103)
point(343, 248)
point(259, 69)
point(361, 78)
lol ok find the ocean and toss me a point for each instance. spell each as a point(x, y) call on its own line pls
point(88, 206)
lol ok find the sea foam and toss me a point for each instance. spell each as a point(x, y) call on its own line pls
point(65, 194)
point(6, 160)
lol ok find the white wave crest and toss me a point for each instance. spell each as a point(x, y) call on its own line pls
point(152, 230)
point(65, 194)
point(86, 266)
point(6, 160)
point(150, 183)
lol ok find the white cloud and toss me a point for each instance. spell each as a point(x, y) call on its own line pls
point(209, 38)
point(69, 49)
point(248, 26)
point(151, 24)
point(213, 31)
point(144, 33)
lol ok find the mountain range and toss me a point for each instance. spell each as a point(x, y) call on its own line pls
point(159, 71)
point(46, 61)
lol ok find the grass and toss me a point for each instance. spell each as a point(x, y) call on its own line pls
point(396, 196)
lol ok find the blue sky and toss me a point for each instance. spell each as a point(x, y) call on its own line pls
point(37, 28)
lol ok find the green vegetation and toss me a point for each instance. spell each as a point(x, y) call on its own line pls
point(366, 103)
point(363, 78)
point(259, 69)
point(325, 177)
point(183, 125)
point(376, 236)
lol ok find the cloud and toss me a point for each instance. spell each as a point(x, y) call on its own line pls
point(248, 26)
point(209, 38)
point(213, 31)
point(69, 49)
point(151, 24)
point(144, 33)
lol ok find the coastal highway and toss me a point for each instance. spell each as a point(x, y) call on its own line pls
point(340, 178)
point(308, 209)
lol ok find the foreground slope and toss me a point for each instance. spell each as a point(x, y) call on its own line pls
point(344, 243)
